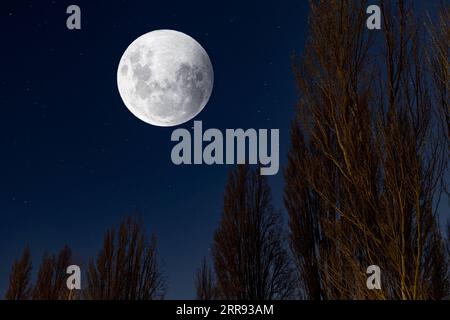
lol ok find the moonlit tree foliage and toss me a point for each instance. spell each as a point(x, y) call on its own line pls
point(126, 267)
point(368, 155)
point(250, 258)
point(440, 62)
point(204, 282)
point(19, 280)
point(52, 276)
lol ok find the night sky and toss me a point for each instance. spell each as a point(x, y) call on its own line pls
point(74, 161)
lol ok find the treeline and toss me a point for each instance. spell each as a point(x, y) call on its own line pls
point(126, 268)
point(367, 166)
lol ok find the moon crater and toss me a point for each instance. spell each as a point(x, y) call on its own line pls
point(165, 78)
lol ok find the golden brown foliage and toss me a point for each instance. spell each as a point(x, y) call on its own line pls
point(368, 157)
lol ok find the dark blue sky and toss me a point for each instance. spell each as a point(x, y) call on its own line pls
point(75, 161)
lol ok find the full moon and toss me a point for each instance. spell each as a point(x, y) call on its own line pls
point(165, 78)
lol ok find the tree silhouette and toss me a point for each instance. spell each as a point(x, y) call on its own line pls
point(368, 157)
point(126, 267)
point(204, 282)
point(19, 280)
point(52, 276)
point(249, 256)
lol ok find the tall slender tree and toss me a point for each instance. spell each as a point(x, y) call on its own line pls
point(367, 157)
point(51, 278)
point(204, 282)
point(19, 280)
point(439, 61)
point(126, 267)
point(250, 258)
